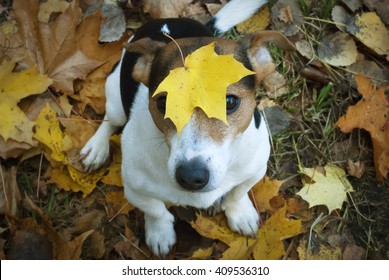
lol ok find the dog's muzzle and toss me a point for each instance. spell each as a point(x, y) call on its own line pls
point(192, 175)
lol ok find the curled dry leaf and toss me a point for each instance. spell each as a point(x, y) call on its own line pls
point(356, 169)
point(165, 9)
point(10, 198)
point(50, 7)
point(287, 16)
point(337, 49)
point(275, 85)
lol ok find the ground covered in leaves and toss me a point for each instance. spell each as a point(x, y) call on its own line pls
point(326, 192)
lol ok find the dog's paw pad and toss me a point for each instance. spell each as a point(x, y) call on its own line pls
point(160, 234)
point(243, 220)
point(95, 153)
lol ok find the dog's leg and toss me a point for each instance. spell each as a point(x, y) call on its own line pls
point(241, 214)
point(159, 222)
point(96, 151)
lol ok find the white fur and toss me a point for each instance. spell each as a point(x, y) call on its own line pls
point(236, 11)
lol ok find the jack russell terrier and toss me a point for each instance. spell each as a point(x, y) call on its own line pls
point(210, 164)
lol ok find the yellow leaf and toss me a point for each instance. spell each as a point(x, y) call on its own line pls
point(216, 228)
point(49, 133)
point(264, 191)
point(259, 21)
point(328, 189)
point(202, 82)
point(371, 31)
point(14, 87)
point(269, 244)
point(114, 176)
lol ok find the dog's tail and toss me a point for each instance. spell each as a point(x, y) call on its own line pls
point(233, 13)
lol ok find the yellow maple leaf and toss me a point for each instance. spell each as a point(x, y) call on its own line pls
point(216, 228)
point(269, 244)
point(49, 133)
point(328, 189)
point(13, 87)
point(202, 82)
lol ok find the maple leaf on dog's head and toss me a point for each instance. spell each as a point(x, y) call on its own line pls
point(202, 82)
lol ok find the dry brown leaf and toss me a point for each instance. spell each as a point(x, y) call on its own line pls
point(117, 203)
point(371, 114)
point(10, 198)
point(305, 49)
point(275, 85)
point(165, 9)
point(337, 49)
point(49, 7)
point(353, 252)
point(356, 169)
point(54, 46)
point(12, 148)
point(287, 16)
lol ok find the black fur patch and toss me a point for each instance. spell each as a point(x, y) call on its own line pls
point(257, 118)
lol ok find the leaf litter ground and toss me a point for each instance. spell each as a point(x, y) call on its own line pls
point(38, 208)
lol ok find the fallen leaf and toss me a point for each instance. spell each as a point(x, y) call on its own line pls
point(287, 16)
point(12, 148)
point(13, 87)
point(216, 228)
point(341, 17)
point(325, 187)
point(115, 23)
point(275, 85)
point(49, 7)
point(323, 252)
point(371, 31)
point(379, 76)
point(268, 245)
point(353, 4)
point(371, 113)
point(165, 9)
point(337, 49)
point(49, 133)
point(117, 203)
point(356, 169)
point(305, 49)
point(259, 21)
point(264, 191)
point(203, 71)
point(10, 198)
point(353, 252)
point(202, 254)
point(53, 47)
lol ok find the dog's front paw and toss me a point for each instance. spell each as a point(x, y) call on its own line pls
point(160, 234)
point(243, 219)
point(95, 152)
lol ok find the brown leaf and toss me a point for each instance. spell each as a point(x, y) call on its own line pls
point(337, 49)
point(356, 169)
point(12, 148)
point(62, 249)
point(287, 16)
point(371, 114)
point(54, 46)
point(10, 198)
point(165, 9)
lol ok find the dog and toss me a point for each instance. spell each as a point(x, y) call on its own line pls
point(210, 164)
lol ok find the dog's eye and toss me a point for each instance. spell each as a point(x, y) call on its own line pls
point(232, 103)
point(161, 104)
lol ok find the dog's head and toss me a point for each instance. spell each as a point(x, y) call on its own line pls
point(201, 155)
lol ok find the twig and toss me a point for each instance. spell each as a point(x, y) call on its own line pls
point(39, 175)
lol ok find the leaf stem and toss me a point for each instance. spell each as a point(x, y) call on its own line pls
point(178, 46)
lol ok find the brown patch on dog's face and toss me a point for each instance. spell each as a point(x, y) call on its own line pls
point(242, 92)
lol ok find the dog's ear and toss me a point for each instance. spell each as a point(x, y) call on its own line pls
point(143, 52)
point(259, 55)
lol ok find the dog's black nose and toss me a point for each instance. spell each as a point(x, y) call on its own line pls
point(192, 175)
